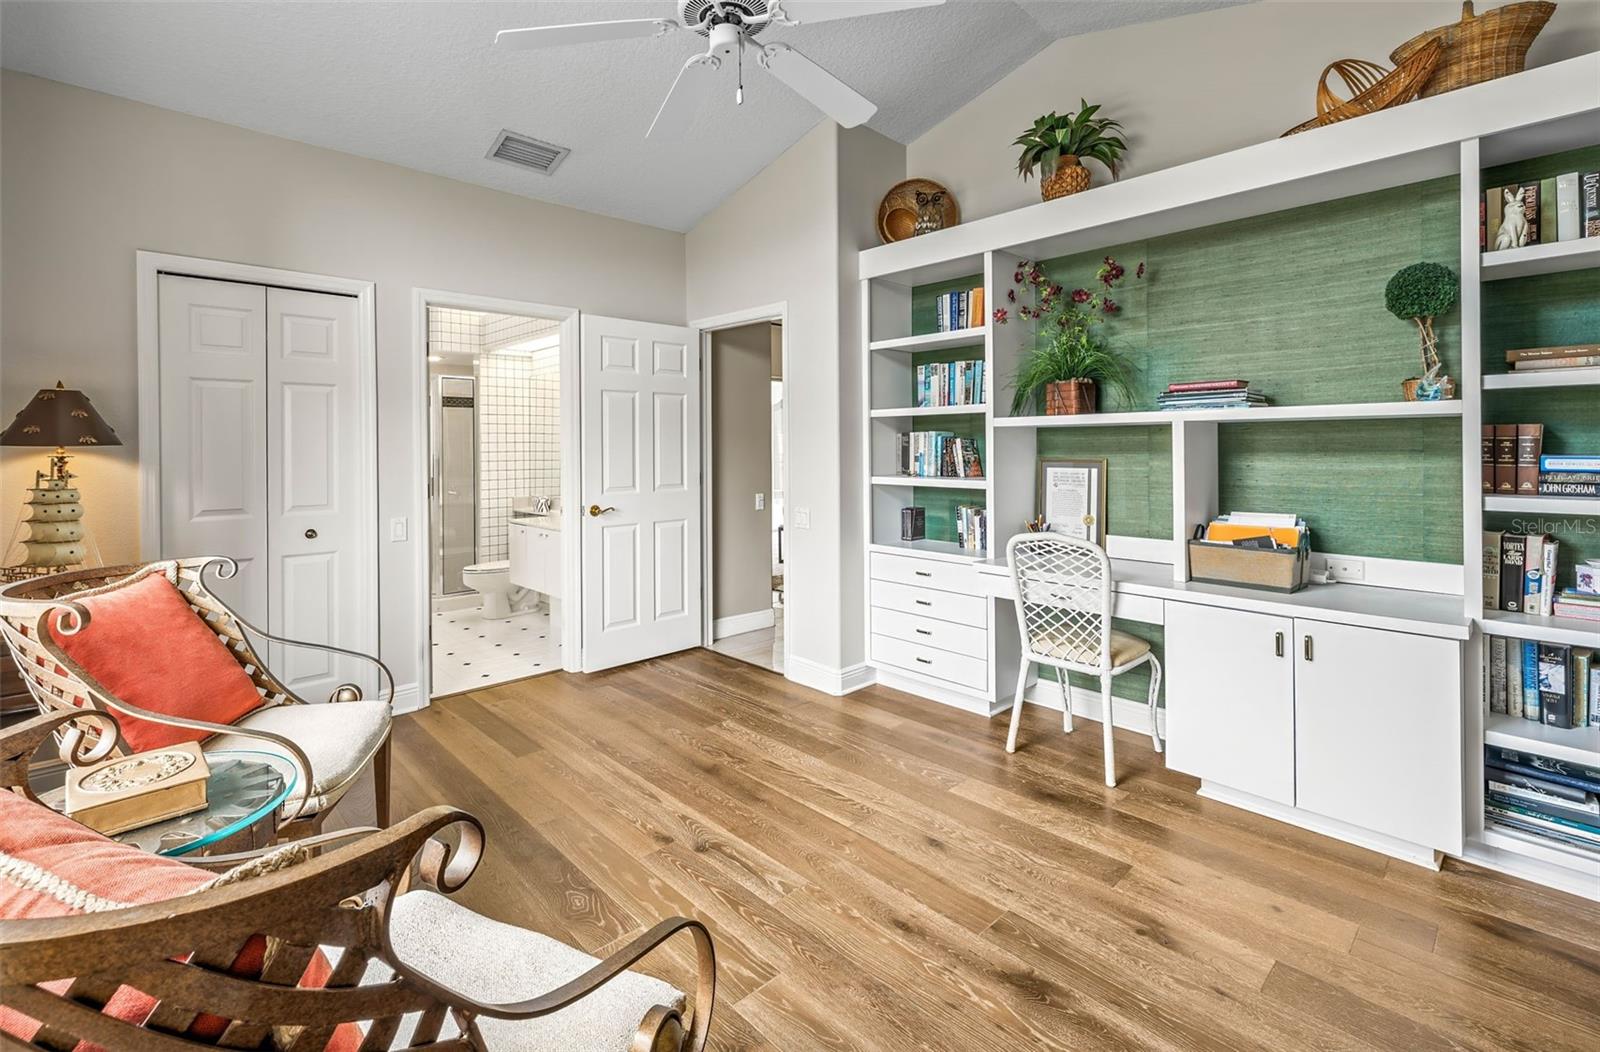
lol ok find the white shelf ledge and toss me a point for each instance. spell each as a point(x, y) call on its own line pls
point(1577, 254)
point(945, 550)
point(933, 482)
point(1259, 414)
point(1573, 630)
point(1587, 376)
point(932, 341)
point(1575, 745)
point(930, 410)
point(1545, 505)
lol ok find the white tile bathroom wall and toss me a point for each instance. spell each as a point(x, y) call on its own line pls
point(453, 331)
point(518, 424)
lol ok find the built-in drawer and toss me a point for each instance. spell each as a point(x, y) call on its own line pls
point(926, 573)
point(970, 610)
point(959, 669)
point(928, 631)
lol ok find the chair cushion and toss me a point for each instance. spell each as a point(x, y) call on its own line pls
point(145, 645)
point(337, 737)
point(50, 866)
point(1124, 648)
point(497, 962)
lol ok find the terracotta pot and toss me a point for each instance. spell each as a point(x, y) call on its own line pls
point(1408, 388)
point(1067, 397)
point(1070, 177)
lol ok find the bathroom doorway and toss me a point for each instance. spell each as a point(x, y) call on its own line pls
point(496, 557)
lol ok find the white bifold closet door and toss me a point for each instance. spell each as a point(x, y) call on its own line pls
point(261, 460)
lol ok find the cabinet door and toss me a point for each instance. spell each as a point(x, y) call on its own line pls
point(1378, 731)
point(1230, 698)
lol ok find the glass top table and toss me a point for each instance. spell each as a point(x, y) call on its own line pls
point(243, 795)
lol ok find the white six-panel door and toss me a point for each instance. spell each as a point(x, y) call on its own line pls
point(641, 473)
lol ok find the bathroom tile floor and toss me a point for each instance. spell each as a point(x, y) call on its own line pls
point(471, 652)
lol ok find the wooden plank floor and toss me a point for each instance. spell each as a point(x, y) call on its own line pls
point(879, 874)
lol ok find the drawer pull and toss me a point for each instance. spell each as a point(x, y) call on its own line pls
point(924, 661)
point(923, 632)
point(923, 602)
point(1308, 648)
point(923, 573)
point(1277, 644)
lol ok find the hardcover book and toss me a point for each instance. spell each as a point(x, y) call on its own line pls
point(1530, 442)
point(1491, 569)
point(1497, 674)
point(1568, 211)
point(1547, 211)
point(1589, 202)
point(1505, 458)
point(1555, 684)
point(1488, 458)
point(128, 792)
point(1571, 350)
point(1513, 548)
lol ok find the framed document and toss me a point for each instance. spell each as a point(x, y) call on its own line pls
point(1070, 496)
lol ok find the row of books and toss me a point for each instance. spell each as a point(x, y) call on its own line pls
point(1541, 212)
point(948, 383)
point(1554, 800)
point(972, 528)
point(1578, 603)
point(937, 454)
point(954, 311)
point(1519, 572)
point(1210, 394)
point(1514, 462)
point(1566, 356)
point(1556, 684)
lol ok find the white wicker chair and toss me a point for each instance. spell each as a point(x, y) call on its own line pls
point(1063, 601)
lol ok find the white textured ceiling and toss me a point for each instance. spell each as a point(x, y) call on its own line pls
point(419, 84)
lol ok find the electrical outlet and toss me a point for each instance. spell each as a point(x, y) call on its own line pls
point(397, 528)
point(761, 501)
point(1344, 569)
point(802, 518)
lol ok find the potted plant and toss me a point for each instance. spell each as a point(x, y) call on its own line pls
point(1069, 364)
point(1419, 293)
point(1056, 145)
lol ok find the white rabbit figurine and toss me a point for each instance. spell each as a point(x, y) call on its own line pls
point(1513, 225)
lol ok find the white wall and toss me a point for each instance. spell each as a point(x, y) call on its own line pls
point(783, 237)
point(1191, 87)
point(88, 179)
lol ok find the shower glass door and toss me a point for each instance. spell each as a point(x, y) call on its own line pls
point(455, 489)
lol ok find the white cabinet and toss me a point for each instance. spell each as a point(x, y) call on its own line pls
point(536, 558)
point(1378, 731)
point(929, 617)
point(1230, 698)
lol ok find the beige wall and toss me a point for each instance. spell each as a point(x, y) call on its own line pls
point(741, 467)
point(1191, 87)
point(88, 179)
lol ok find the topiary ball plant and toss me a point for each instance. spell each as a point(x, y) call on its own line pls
point(1419, 293)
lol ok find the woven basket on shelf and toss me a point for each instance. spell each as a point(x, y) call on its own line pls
point(1480, 47)
point(1371, 87)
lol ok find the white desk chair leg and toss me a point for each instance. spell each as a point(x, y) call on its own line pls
point(1016, 706)
point(1066, 700)
point(1155, 697)
point(1105, 722)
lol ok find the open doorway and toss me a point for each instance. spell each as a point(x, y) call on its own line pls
point(746, 454)
point(495, 539)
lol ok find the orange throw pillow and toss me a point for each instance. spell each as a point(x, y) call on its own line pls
point(148, 648)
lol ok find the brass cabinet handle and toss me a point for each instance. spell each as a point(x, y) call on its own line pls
point(1277, 644)
point(1308, 647)
point(596, 510)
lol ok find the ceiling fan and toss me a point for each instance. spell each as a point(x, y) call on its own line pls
point(731, 26)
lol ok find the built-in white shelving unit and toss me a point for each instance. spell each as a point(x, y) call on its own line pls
point(1574, 745)
point(1457, 134)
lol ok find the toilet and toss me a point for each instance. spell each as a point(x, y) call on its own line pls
point(492, 581)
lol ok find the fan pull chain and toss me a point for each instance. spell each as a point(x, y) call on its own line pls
point(738, 94)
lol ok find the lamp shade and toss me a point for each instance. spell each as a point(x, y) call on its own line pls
point(59, 417)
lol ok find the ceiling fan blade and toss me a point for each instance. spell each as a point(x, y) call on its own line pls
point(817, 86)
point(686, 98)
point(804, 12)
point(582, 33)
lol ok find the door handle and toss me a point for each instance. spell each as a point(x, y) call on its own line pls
point(311, 535)
point(596, 510)
point(1308, 648)
point(1277, 644)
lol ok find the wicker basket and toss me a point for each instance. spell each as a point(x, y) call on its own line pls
point(1480, 47)
point(1371, 87)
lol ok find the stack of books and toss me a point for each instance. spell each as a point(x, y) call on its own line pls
point(1569, 356)
point(938, 454)
point(948, 383)
point(1519, 572)
point(1210, 394)
point(972, 528)
point(1569, 475)
point(1540, 212)
point(954, 311)
point(1514, 462)
point(1551, 799)
point(1556, 684)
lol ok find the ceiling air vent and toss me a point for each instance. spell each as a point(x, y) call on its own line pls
point(526, 152)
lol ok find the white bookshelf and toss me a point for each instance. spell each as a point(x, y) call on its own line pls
point(1258, 414)
point(1588, 376)
point(933, 341)
point(1544, 505)
point(1541, 259)
point(919, 412)
point(1570, 630)
point(929, 482)
point(1574, 745)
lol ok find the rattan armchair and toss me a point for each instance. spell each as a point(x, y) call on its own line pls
point(328, 749)
point(379, 910)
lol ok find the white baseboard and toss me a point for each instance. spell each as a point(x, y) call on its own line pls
point(1125, 713)
point(835, 681)
point(923, 687)
point(1404, 850)
point(460, 601)
point(407, 698)
point(737, 624)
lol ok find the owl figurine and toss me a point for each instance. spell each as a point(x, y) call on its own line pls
point(930, 212)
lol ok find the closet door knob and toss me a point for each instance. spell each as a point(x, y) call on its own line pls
point(311, 535)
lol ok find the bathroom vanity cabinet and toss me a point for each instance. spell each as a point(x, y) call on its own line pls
point(536, 557)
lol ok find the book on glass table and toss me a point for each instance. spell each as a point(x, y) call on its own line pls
point(128, 792)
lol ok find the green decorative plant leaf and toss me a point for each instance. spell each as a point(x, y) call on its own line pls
point(1080, 134)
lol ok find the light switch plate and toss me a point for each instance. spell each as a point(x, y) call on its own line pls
point(802, 518)
point(397, 528)
point(761, 501)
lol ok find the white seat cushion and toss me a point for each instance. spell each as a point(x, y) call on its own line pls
point(499, 963)
point(337, 737)
point(1124, 648)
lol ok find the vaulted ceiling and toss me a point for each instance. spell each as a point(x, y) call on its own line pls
point(420, 85)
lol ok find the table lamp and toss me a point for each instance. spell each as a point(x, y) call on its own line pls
point(65, 420)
